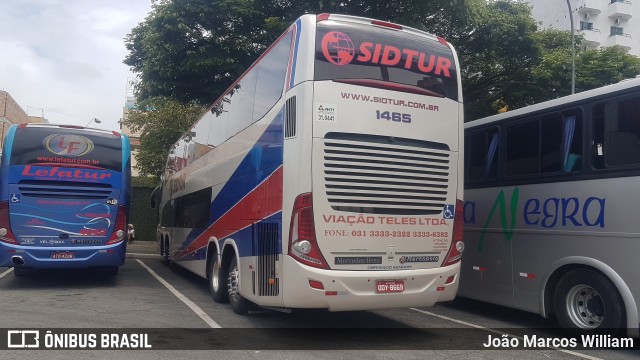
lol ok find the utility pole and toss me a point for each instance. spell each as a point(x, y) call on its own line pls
point(573, 50)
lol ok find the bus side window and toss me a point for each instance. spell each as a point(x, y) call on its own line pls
point(572, 142)
point(482, 155)
point(597, 141)
point(622, 130)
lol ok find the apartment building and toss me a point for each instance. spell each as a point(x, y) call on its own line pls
point(603, 23)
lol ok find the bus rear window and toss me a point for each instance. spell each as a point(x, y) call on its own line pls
point(66, 147)
point(348, 51)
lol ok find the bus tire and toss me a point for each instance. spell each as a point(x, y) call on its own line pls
point(585, 301)
point(239, 304)
point(218, 278)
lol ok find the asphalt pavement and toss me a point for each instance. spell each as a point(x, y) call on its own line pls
point(140, 249)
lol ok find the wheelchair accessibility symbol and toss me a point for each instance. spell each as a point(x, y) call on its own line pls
point(15, 198)
point(448, 212)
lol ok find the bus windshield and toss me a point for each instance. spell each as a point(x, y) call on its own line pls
point(66, 147)
point(379, 55)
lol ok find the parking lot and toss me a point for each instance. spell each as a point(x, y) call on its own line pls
point(174, 303)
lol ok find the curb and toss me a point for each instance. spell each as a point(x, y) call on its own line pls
point(143, 256)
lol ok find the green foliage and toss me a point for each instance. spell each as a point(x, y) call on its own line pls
point(601, 67)
point(144, 181)
point(192, 50)
point(161, 125)
point(143, 218)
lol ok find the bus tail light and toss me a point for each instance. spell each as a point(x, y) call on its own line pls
point(303, 246)
point(120, 230)
point(322, 17)
point(5, 225)
point(387, 24)
point(457, 246)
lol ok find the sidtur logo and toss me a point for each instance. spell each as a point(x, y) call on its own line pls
point(338, 48)
point(68, 145)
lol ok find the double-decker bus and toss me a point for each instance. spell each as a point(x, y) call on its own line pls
point(551, 209)
point(327, 176)
point(64, 198)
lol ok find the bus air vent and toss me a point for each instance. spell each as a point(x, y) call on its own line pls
point(64, 190)
point(266, 235)
point(290, 121)
point(385, 175)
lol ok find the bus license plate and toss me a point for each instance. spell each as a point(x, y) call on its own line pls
point(389, 286)
point(62, 255)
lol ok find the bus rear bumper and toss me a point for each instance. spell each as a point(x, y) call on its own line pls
point(357, 290)
point(38, 257)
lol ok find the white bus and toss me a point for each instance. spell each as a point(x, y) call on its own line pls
point(327, 176)
point(551, 209)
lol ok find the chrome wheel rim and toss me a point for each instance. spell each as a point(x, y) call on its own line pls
point(215, 279)
point(234, 284)
point(585, 307)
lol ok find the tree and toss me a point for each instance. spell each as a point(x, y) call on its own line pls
point(192, 50)
point(599, 67)
point(161, 122)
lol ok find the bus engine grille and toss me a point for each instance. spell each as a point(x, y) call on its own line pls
point(64, 190)
point(385, 175)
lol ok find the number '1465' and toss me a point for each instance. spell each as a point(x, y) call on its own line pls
point(393, 116)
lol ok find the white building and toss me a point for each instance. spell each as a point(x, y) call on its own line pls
point(602, 22)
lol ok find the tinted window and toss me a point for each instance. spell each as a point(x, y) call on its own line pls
point(482, 157)
point(617, 133)
point(241, 107)
point(347, 51)
point(523, 148)
point(545, 145)
point(193, 209)
point(59, 146)
point(272, 72)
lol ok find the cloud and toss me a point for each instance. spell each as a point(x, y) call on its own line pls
point(64, 57)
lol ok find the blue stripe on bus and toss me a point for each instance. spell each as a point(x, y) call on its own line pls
point(266, 154)
point(243, 239)
point(8, 144)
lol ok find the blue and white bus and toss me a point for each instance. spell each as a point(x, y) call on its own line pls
point(327, 176)
point(64, 198)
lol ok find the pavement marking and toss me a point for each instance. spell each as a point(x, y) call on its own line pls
point(5, 273)
point(574, 353)
point(195, 308)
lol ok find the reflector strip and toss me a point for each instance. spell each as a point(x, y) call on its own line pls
point(528, 276)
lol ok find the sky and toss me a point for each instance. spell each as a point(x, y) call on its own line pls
point(63, 58)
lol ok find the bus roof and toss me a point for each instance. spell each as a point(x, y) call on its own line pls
point(76, 127)
point(622, 85)
point(374, 22)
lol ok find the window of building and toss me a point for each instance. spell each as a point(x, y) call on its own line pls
point(586, 25)
point(615, 30)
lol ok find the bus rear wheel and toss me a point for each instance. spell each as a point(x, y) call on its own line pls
point(585, 301)
point(239, 304)
point(218, 281)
